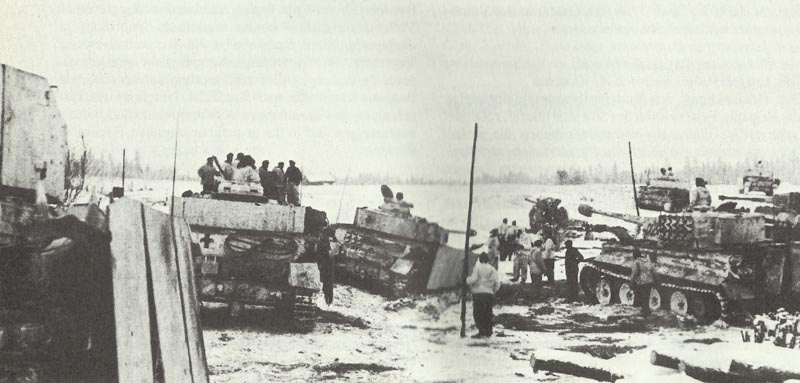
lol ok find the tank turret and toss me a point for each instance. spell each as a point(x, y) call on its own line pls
point(694, 229)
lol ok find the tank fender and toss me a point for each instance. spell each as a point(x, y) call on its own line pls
point(305, 275)
point(735, 291)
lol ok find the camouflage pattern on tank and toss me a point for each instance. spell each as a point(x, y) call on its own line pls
point(707, 263)
point(394, 256)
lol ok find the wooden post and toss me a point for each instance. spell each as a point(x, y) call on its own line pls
point(123, 170)
point(633, 179)
point(466, 241)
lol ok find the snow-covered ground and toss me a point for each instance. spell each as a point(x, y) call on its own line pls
point(418, 340)
point(358, 339)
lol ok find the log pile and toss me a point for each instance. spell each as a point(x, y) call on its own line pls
point(729, 364)
point(575, 364)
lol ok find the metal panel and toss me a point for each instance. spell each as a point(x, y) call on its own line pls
point(448, 268)
point(33, 132)
point(232, 215)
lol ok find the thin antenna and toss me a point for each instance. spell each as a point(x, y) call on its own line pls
point(174, 169)
point(346, 178)
point(123, 170)
point(633, 179)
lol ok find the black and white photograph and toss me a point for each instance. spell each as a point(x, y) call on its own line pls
point(399, 191)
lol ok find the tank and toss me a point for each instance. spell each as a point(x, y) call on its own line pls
point(708, 264)
point(249, 251)
point(668, 195)
point(395, 255)
point(752, 184)
point(780, 213)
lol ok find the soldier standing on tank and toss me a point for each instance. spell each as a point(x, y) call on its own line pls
point(207, 173)
point(572, 258)
point(700, 196)
point(293, 179)
point(642, 279)
point(227, 167)
point(263, 174)
point(280, 183)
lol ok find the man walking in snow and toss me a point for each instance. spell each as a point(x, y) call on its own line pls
point(642, 279)
point(549, 259)
point(536, 263)
point(484, 283)
point(521, 249)
point(572, 258)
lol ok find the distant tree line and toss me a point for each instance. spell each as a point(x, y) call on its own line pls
point(104, 164)
point(717, 171)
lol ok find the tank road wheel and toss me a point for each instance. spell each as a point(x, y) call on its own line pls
point(705, 308)
point(678, 303)
point(587, 280)
point(604, 292)
point(626, 294)
point(655, 301)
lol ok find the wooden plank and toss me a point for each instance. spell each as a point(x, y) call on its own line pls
point(194, 332)
point(129, 275)
point(240, 215)
point(447, 268)
point(167, 296)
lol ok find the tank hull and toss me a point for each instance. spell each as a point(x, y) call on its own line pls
point(758, 184)
point(658, 198)
point(395, 256)
point(706, 283)
point(250, 253)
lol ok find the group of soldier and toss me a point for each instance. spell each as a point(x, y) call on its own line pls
point(531, 254)
point(279, 185)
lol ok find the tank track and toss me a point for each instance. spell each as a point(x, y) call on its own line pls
point(303, 309)
point(722, 300)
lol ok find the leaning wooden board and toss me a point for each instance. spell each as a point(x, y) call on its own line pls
point(145, 240)
point(172, 338)
point(448, 268)
point(131, 307)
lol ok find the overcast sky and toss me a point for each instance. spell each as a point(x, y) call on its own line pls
point(392, 87)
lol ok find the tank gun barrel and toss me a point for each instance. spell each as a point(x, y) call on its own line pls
point(752, 199)
point(588, 210)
